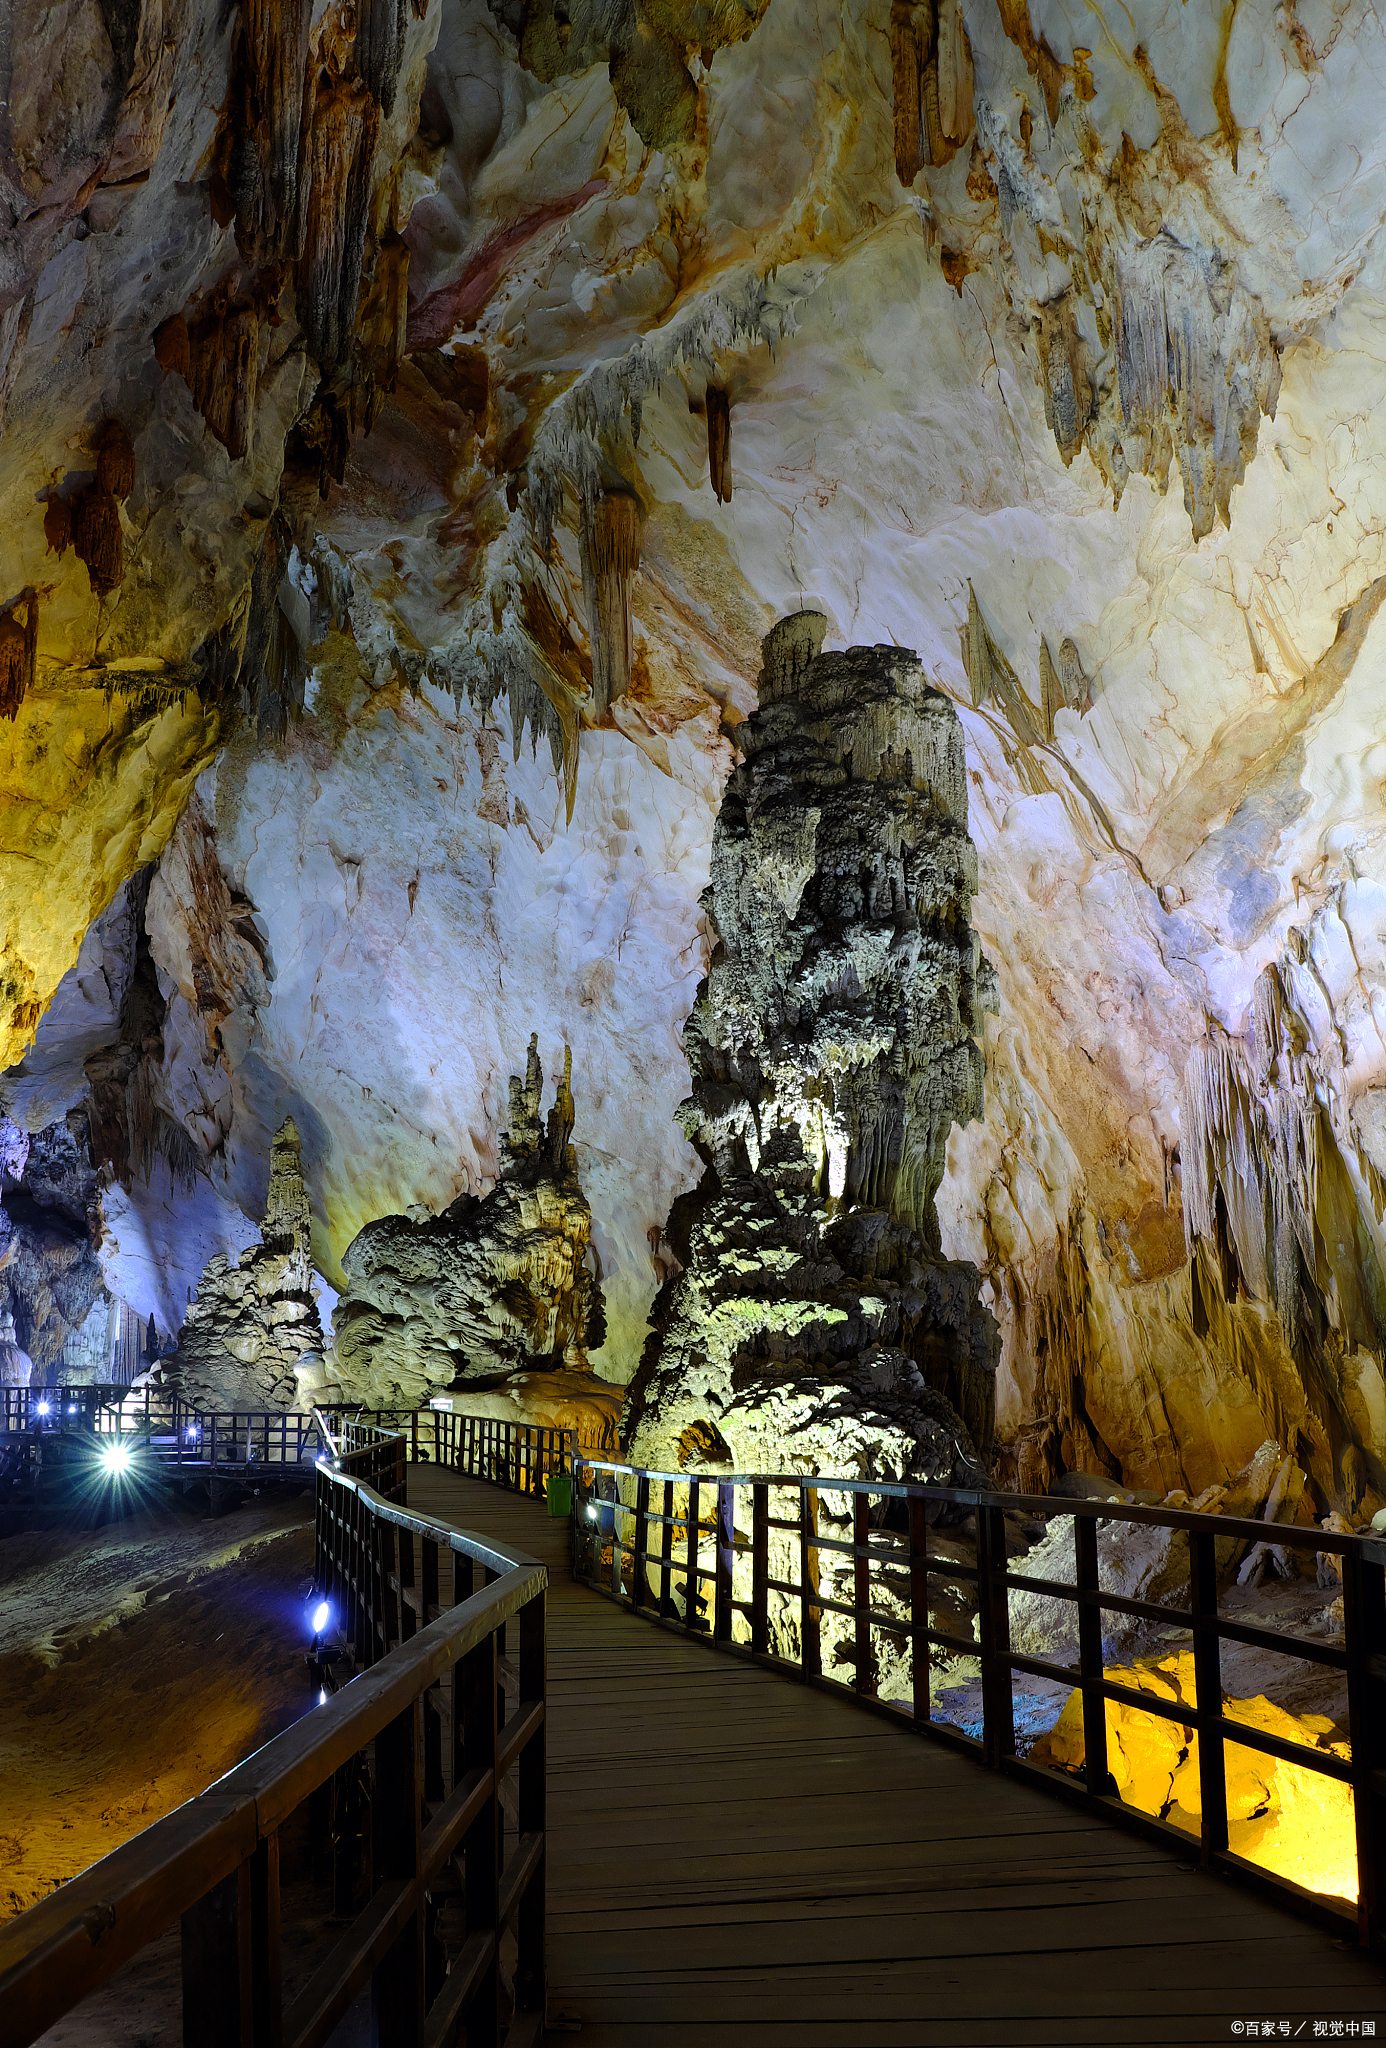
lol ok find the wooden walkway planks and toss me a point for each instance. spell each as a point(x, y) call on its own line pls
point(734, 1857)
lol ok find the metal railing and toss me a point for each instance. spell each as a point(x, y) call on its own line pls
point(179, 1433)
point(214, 1862)
point(742, 1560)
point(518, 1455)
point(375, 1455)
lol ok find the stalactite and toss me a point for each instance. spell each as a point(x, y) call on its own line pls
point(954, 62)
point(217, 354)
point(99, 540)
point(610, 558)
point(276, 56)
point(224, 350)
point(345, 121)
point(991, 679)
point(380, 28)
point(172, 348)
point(719, 443)
point(18, 652)
point(1068, 400)
point(906, 64)
point(115, 462)
point(385, 314)
point(57, 525)
point(1267, 1191)
point(1063, 684)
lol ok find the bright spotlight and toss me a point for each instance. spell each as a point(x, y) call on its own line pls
point(72, 1409)
point(45, 1408)
point(322, 1696)
point(591, 1514)
point(116, 1459)
point(322, 1614)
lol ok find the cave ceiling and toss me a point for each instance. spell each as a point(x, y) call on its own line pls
point(489, 397)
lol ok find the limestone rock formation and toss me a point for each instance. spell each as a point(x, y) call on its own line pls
point(1084, 310)
point(832, 1048)
point(16, 1366)
point(252, 1338)
point(494, 1295)
point(51, 1282)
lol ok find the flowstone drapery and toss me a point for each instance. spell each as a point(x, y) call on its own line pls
point(832, 1048)
point(494, 1296)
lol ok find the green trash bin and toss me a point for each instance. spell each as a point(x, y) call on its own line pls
point(560, 1495)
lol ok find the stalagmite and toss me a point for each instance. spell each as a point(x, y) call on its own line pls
point(252, 1338)
point(610, 558)
point(832, 1048)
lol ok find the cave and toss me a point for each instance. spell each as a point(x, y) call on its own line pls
point(693, 876)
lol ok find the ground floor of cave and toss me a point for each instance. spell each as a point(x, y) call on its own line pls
point(734, 1857)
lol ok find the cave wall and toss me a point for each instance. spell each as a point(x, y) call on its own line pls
point(1059, 361)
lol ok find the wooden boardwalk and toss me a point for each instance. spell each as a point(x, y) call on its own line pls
point(734, 1857)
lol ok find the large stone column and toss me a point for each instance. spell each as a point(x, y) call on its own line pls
point(832, 1047)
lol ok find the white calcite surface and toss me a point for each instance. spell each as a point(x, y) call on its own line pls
point(1113, 375)
point(409, 966)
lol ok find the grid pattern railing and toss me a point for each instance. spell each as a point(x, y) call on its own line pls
point(747, 1561)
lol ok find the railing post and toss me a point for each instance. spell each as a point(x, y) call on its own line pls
point(479, 1850)
point(616, 1546)
point(218, 1980)
point(266, 1975)
point(666, 1552)
point(1212, 1776)
point(397, 1983)
point(1364, 1637)
point(642, 1510)
point(998, 1704)
point(810, 1649)
point(919, 1607)
point(861, 1591)
point(760, 1567)
point(1099, 1780)
point(726, 1562)
point(530, 1982)
point(690, 1584)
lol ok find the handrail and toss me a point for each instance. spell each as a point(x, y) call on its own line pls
point(215, 1860)
point(518, 1455)
point(759, 1580)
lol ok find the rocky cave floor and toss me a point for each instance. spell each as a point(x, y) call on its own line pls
point(112, 1638)
point(1294, 1606)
